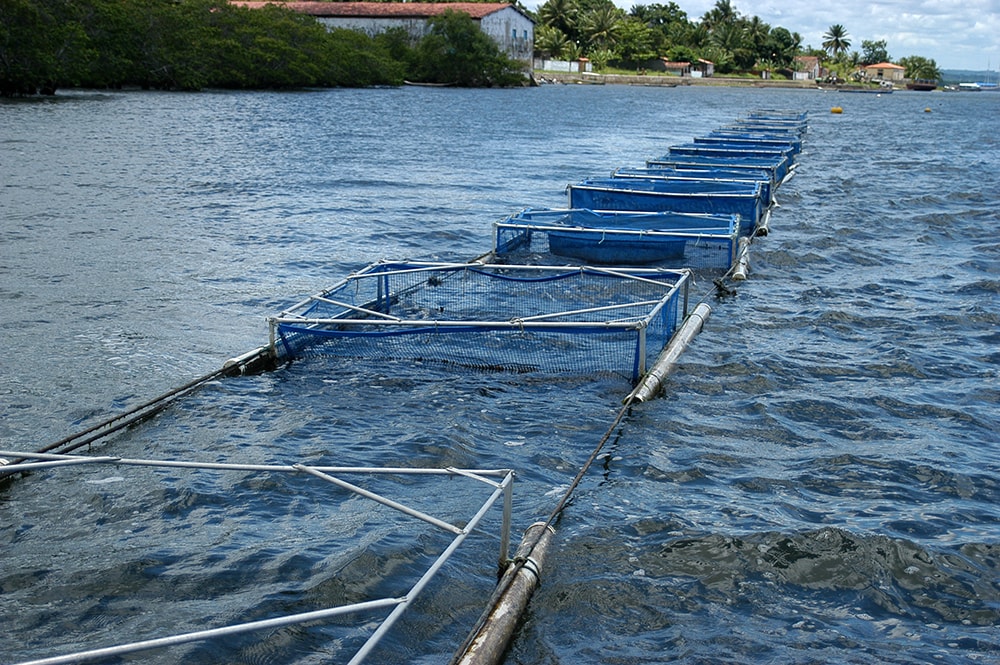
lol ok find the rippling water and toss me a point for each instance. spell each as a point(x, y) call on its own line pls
point(819, 482)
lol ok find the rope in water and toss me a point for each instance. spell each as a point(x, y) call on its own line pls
point(157, 404)
point(510, 575)
point(139, 413)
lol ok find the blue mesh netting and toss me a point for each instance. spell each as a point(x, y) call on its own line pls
point(513, 318)
point(655, 195)
point(672, 240)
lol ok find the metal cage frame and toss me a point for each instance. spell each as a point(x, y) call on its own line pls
point(498, 482)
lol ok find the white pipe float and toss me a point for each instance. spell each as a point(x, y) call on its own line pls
point(742, 266)
point(488, 644)
point(653, 379)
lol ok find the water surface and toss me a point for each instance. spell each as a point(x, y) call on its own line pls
point(819, 482)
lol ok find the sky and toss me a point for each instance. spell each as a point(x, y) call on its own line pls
point(956, 34)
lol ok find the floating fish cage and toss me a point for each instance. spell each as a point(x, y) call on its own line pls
point(779, 114)
point(708, 174)
point(751, 140)
point(657, 195)
point(730, 148)
point(777, 167)
point(607, 237)
point(775, 120)
point(579, 320)
point(352, 624)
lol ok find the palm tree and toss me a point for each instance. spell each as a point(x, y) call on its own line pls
point(781, 47)
point(560, 14)
point(919, 67)
point(757, 32)
point(571, 51)
point(721, 14)
point(550, 41)
point(755, 35)
point(729, 37)
point(695, 35)
point(600, 27)
point(836, 41)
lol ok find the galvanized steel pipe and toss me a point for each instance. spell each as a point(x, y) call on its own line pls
point(489, 642)
point(742, 266)
point(653, 379)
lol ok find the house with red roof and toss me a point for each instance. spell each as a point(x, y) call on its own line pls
point(509, 27)
point(885, 71)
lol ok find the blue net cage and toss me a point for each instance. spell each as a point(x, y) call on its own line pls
point(558, 319)
point(702, 174)
point(701, 242)
point(658, 195)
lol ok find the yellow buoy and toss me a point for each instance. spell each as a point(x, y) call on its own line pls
point(836, 109)
point(927, 110)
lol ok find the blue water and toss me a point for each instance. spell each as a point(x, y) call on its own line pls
point(819, 482)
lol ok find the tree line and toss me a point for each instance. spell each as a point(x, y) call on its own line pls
point(195, 44)
point(837, 42)
point(735, 43)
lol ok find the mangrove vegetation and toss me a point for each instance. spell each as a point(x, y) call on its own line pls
point(196, 44)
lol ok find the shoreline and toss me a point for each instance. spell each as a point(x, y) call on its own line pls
point(588, 78)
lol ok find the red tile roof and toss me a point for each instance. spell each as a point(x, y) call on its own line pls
point(884, 65)
point(382, 9)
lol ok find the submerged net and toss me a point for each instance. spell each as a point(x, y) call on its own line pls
point(500, 317)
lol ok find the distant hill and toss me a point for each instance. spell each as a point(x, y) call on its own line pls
point(967, 76)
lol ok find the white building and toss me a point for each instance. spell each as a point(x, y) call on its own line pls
point(807, 68)
point(512, 30)
point(885, 71)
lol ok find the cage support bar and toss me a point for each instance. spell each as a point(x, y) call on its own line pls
point(185, 638)
point(589, 310)
point(224, 466)
point(473, 524)
point(381, 499)
point(363, 310)
point(515, 324)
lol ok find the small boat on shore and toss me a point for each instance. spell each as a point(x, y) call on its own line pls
point(420, 84)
